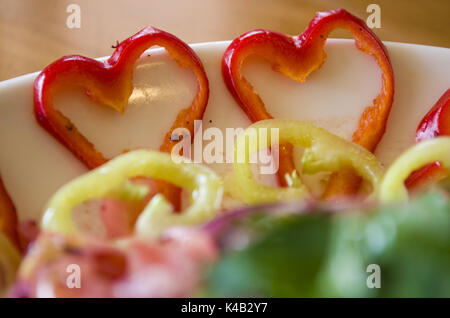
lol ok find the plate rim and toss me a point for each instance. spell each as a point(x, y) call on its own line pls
point(210, 44)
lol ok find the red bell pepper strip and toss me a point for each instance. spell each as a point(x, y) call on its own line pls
point(28, 231)
point(8, 216)
point(119, 217)
point(435, 123)
point(110, 83)
point(296, 57)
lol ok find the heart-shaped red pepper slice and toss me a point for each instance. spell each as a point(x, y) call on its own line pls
point(110, 83)
point(296, 57)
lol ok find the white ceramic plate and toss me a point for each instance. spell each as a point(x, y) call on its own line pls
point(34, 165)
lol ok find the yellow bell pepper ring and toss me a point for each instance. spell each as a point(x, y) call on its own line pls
point(206, 188)
point(9, 262)
point(324, 151)
point(392, 186)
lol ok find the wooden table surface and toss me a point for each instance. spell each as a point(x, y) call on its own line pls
point(33, 33)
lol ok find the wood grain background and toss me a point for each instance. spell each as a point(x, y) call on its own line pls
point(33, 33)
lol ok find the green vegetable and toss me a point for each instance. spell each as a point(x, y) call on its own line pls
point(327, 254)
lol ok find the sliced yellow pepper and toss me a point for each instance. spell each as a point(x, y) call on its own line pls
point(9, 263)
point(392, 186)
point(323, 152)
point(205, 185)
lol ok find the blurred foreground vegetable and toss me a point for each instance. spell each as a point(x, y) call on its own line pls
point(297, 249)
point(294, 253)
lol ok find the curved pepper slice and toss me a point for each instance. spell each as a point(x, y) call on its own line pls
point(435, 123)
point(323, 152)
point(110, 83)
point(205, 185)
point(8, 216)
point(296, 57)
point(9, 263)
point(392, 187)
